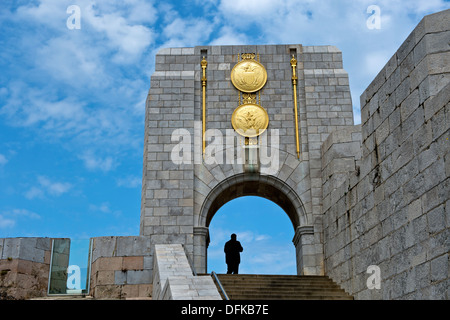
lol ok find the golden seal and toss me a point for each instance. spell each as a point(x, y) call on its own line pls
point(249, 76)
point(250, 120)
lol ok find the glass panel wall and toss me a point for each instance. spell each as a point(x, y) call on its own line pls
point(70, 266)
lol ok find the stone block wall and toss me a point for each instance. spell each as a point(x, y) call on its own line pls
point(392, 211)
point(121, 268)
point(24, 267)
point(174, 195)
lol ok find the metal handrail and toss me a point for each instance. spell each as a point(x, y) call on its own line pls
point(214, 274)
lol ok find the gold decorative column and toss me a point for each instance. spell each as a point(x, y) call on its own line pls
point(294, 83)
point(204, 63)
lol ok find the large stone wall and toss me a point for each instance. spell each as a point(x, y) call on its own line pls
point(391, 209)
point(121, 268)
point(24, 267)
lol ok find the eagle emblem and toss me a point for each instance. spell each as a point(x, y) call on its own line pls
point(249, 76)
point(250, 120)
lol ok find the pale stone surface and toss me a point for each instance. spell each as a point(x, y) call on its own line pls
point(324, 104)
point(122, 267)
point(24, 267)
point(391, 211)
point(173, 277)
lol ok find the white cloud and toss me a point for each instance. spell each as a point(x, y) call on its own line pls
point(262, 237)
point(105, 127)
point(187, 32)
point(129, 182)
point(105, 207)
point(38, 106)
point(3, 160)
point(120, 24)
point(46, 186)
point(129, 40)
point(54, 188)
point(227, 36)
point(251, 9)
point(74, 60)
point(9, 219)
point(51, 13)
point(25, 213)
point(90, 81)
point(6, 223)
point(34, 192)
point(94, 162)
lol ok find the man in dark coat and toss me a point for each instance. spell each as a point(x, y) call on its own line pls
point(232, 251)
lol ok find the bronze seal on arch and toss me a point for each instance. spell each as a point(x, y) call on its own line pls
point(249, 75)
point(250, 120)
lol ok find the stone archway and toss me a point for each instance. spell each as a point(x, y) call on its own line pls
point(268, 187)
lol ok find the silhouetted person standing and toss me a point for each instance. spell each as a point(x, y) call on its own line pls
point(232, 254)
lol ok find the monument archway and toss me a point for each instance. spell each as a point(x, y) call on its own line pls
point(229, 121)
point(268, 187)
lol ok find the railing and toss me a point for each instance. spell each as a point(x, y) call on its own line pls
point(213, 274)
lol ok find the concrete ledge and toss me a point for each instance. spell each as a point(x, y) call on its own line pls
point(173, 278)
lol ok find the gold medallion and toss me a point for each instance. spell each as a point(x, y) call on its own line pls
point(248, 75)
point(250, 120)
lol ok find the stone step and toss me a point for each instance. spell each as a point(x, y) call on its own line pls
point(288, 297)
point(281, 287)
point(238, 277)
point(306, 282)
point(284, 291)
point(294, 291)
point(287, 286)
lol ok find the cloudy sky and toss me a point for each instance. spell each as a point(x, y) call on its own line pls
point(72, 96)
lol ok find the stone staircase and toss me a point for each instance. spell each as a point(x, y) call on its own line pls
point(280, 287)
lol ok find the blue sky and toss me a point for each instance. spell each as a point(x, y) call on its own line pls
point(72, 102)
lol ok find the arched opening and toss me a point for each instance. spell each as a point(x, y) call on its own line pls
point(264, 230)
point(270, 188)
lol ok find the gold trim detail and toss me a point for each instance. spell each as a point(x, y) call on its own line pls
point(250, 120)
point(249, 98)
point(248, 75)
point(294, 83)
point(204, 63)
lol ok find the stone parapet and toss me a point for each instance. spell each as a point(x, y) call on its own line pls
point(390, 213)
point(121, 267)
point(24, 267)
point(173, 277)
